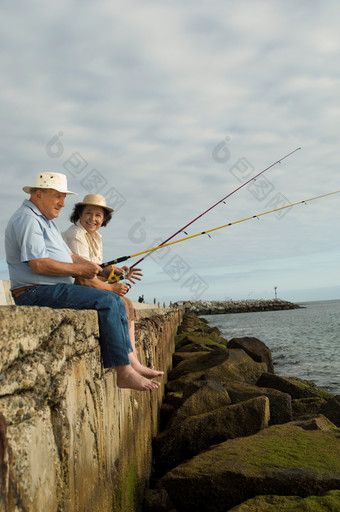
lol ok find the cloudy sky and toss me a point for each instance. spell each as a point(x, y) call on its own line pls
point(166, 107)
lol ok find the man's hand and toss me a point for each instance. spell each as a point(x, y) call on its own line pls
point(88, 269)
point(106, 271)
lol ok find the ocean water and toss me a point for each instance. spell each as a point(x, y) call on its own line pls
point(305, 342)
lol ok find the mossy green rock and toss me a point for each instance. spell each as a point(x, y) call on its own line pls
point(221, 365)
point(198, 342)
point(330, 502)
point(305, 407)
point(280, 403)
point(197, 433)
point(281, 460)
point(295, 387)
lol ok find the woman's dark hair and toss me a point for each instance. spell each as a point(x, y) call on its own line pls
point(78, 210)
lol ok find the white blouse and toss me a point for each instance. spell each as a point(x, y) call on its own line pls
point(84, 244)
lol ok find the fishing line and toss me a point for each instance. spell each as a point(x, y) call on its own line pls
point(161, 246)
point(221, 201)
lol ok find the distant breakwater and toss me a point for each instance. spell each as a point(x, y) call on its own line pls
point(215, 307)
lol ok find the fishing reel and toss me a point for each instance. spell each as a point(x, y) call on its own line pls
point(115, 276)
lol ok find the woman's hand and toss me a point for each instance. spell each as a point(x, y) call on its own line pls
point(133, 274)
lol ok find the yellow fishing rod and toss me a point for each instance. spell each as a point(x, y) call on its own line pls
point(124, 258)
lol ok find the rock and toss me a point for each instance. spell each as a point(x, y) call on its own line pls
point(256, 349)
point(200, 397)
point(174, 399)
point(179, 356)
point(317, 423)
point(330, 502)
point(304, 407)
point(200, 363)
point(280, 403)
point(196, 398)
point(180, 384)
point(198, 343)
point(191, 323)
point(197, 433)
point(239, 366)
point(296, 388)
point(282, 460)
point(156, 500)
point(332, 410)
point(167, 411)
point(220, 365)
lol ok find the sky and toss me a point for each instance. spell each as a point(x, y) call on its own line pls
point(167, 107)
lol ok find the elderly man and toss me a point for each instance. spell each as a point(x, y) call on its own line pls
point(42, 268)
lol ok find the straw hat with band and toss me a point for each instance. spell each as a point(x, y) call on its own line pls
point(53, 180)
point(95, 200)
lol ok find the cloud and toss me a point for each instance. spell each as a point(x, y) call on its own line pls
point(144, 93)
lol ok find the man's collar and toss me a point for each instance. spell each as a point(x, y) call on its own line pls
point(35, 209)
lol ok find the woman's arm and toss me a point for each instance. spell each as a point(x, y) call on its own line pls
point(118, 288)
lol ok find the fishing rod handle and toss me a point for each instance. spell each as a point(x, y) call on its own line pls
point(112, 262)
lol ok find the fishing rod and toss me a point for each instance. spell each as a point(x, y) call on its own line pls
point(221, 201)
point(124, 258)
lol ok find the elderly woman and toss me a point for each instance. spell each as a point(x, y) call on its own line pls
point(83, 239)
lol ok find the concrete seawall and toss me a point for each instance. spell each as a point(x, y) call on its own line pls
point(70, 439)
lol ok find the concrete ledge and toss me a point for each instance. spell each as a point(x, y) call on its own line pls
point(148, 310)
point(6, 298)
point(142, 310)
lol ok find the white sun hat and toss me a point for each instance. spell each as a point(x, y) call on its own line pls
point(95, 200)
point(54, 180)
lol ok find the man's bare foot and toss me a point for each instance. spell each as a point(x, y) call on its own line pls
point(150, 373)
point(128, 378)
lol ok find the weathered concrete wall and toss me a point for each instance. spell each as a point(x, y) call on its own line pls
point(70, 439)
point(5, 294)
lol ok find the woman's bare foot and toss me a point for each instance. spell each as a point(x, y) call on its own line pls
point(128, 378)
point(150, 373)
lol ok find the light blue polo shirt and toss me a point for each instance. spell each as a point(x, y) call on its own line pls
point(30, 236)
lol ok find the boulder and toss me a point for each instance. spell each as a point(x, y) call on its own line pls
point(200, 363)
point(317, 423)
point(198, 342)
point(332, 410)
point(175, 399)
point(238, 367)
point(280, 403)
point(192, 323)
point(200, 397)
point(306, 407)
point(220, 365)
point(330, 502)
point(196, 433)
point(296, 388)
point(156, 500)
point(180, 356)
point(280, 460)
point(256, 349)
point(167, 411)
